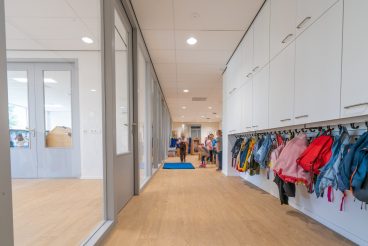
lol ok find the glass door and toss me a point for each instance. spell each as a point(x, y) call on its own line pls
point(22, 120)
point(57, 120)
point(124, 159)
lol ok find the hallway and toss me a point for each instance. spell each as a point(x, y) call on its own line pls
point(203, 207)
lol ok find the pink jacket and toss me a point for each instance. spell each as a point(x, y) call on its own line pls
point(287, 168)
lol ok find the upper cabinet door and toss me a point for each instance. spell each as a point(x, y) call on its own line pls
point(308, 11)
point(354, 93)
point(260, 99)
point(247, 105)
point(261, 32)
point(247, 44)
point(281, 96)
point(282, 25)
point(318, 69)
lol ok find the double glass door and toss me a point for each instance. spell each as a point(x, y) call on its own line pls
point(43, 125)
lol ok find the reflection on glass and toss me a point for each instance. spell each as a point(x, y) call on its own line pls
point(18, 109)
point(121, 87)
point(58, 111)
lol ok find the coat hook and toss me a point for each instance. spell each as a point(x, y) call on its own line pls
point(354, 126)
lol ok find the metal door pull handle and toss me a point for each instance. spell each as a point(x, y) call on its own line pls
point(301, 116)
point(355, 105)
point(286, 38)
point(285, 120)
point(302, 23)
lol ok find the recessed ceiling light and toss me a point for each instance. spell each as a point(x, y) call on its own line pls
point(182, 116)
point(49, 81)
point(202, 116)
point(183, 107)
point(191, 41)
point(185, 90)
point(87, 40)
point(93, 90)
point(209, 107)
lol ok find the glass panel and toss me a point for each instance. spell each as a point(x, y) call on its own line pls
point(18, 109)
point(121, 87)
point(58, 111)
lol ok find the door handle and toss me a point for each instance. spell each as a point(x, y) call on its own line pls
point(302, 23)
point(255, 69)
point(301, 116)
point(355, 105)
point(249, 74)
point(286, 38)
point(283, 120)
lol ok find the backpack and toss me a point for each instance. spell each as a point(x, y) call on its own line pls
point(317, 154)
point(328, 176)
point(359, 178)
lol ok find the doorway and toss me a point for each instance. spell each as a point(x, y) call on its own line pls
point(43, 120)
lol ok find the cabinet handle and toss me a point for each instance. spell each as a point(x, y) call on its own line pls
point(255, 69)
point(301, 116)
point(248, 127)
point(255, 126)
point(230, 92)
point(355, 105)
point(286, 38)
point(248, 75)
point(302, 23)
point(285, 120)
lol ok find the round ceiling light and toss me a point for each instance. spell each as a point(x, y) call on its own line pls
point(87, 40)
point(185, 90)
point(192, 41)
point(183, 107)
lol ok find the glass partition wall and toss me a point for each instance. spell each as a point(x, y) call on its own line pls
point(55, 113)
point(70, 113)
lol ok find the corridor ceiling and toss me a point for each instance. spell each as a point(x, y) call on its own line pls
point(218, 25)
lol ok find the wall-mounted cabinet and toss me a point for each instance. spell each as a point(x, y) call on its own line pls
point(247, 48)
point(282, 25)
point(354, 93)
point(308, 11)
point(247, 105)
point(261, 34)
point(318, 69)
point(260, 99)
point(281, 97)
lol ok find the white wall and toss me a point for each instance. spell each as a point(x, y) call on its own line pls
point(206, 128)
point(90, 104)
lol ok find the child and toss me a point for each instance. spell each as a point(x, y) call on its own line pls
point(204, 154)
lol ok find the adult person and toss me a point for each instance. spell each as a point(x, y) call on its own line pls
point(214, 152)
point(219, 149)
point(209, 147)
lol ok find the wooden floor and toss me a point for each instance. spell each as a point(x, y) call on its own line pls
point(56, 212)
point(203, 207)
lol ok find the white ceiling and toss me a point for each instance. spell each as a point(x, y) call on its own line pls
point(218, 25)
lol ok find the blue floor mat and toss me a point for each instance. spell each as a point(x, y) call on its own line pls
point(178, 165)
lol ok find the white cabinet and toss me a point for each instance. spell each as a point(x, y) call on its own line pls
point(260, 99)
point(234, 112)
point(282, 25)
point(247, 45)
point(281, 95)
point(354, 91)
point(261, 32)
point(308, 11)
point(247, 105)
point(318, 69)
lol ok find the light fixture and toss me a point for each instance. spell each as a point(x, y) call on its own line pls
point(202, 116)
point(192, 41)
point(184, 107)
point(185, 90)
point(87, 40)
point(49, 81)
point(182, 116)
point(209, 107)
point(93, 90)
point(21, 80)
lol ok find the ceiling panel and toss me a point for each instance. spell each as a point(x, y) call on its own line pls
point(209, 40)
point(159, 39)
point(215, 14)
point(154, 14)
point(163, 56)
point(202, 56)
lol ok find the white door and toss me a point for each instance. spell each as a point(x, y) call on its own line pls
point(22, 121)
point(44, 125)
point(124, 160)
point(354, 96)
point(247, 106)
point(318, 69)
point(281, 96)
point(308, 11)
point(247, 47)
point(282, 25)
point(261, 32)
point(260, 99)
